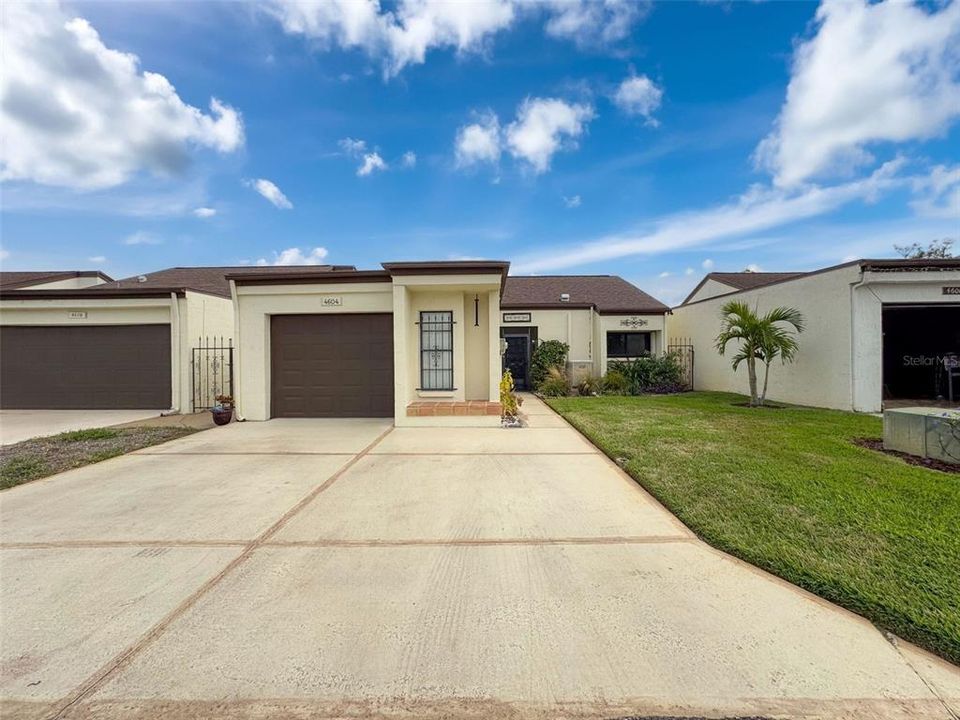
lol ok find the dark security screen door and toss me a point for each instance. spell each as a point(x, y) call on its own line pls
point(516, 359)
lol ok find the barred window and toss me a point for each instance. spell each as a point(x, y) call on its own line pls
point(436, 350)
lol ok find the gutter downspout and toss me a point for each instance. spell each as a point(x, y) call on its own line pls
point(236, 351)
point(175, 352)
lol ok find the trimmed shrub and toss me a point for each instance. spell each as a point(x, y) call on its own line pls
point(555, 384)
point(614, 383)
point(548, 354)
point(661, 374)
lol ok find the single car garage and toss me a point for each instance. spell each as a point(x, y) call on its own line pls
point(331, 365)
point(85, 367)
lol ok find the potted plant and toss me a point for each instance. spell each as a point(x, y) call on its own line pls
point(223, 410)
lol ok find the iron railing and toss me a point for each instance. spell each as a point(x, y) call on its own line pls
point(682, 349)
point(211, 364)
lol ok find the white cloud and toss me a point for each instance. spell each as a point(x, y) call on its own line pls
point(753, 267)
point(4, 254)
point(688, 271)
point(939, 193)
point(708, 264)
point(142, 238)
point(574, 201)
point(594, 22)
point(78, 114)
point(409, 159)
point(403, 35)
point(544, 126)
point(639, 95)
point(271, 192)
point(295, 256)
point(204, 212)
point(372, 162)
point(664, 274)
point(478, 142)
point(352, 146)
point(873, 72)
point(97, 259)
point(758, 209)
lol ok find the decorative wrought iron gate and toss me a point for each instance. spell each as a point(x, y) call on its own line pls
point(211, 365)
point(682, 348)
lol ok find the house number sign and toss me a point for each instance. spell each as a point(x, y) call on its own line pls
point(77, 314)
point(331, 301)
point(516, 317)
point(633, 322)
point(951, 290)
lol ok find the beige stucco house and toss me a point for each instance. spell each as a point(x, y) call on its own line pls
point(424, 343)
point(877, 331)
point(601, 318)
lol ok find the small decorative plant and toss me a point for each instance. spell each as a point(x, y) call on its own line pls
point(223, 411)
point(589, 386)
point(615, 383)
point(510, 402)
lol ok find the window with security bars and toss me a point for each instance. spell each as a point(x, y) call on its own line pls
point(436, 350)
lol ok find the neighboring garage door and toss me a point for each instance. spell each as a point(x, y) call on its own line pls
point(331, 365)
point(91, 367)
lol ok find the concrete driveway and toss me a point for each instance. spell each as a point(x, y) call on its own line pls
point(346, 569)
point(18, 425)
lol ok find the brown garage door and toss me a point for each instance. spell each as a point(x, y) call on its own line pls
point(331, 365)
point(91, 367)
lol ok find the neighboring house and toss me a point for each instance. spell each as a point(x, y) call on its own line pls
point(116, 344)
point(52, 279)
point(876, 330)
point(721, 283)
point(601, 318)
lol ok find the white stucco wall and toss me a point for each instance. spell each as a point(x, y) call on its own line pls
point(573, 326)
point(821, 374)
point(257, 303)
point(75, 283)
point(711, 288)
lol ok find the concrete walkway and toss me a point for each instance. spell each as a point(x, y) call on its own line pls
point(331, 569)
point(19, 425)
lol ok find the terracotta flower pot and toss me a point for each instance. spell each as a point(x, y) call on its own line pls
point(222, 416)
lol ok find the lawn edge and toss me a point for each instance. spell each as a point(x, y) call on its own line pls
point(860, 611)
point(187, 432)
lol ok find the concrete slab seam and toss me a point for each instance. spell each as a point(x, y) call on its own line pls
point(124, 657)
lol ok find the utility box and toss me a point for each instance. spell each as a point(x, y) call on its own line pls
point(924, 432)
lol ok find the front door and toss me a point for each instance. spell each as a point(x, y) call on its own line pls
point(516, 359)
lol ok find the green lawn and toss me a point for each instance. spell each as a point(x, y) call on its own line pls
point(787, 490)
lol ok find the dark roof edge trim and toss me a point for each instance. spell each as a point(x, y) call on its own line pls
point(307, 278)
point(93, 294)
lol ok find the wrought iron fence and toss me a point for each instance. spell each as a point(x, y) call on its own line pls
point(682, 348)
point(211, 364)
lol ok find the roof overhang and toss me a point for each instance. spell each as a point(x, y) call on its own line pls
point(309, 277)
point(91, 294)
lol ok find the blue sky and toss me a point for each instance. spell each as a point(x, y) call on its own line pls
point(650, 141)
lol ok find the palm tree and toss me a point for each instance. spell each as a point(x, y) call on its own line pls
point(761, 338)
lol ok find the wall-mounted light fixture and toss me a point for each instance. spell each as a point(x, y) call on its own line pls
point(476, 311)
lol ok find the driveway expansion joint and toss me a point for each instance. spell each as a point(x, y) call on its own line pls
point(96, 680)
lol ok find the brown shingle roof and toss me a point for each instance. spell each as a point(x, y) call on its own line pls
point(607, 293)
point(743, 280)
point(18, 279)
point(210, 280)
